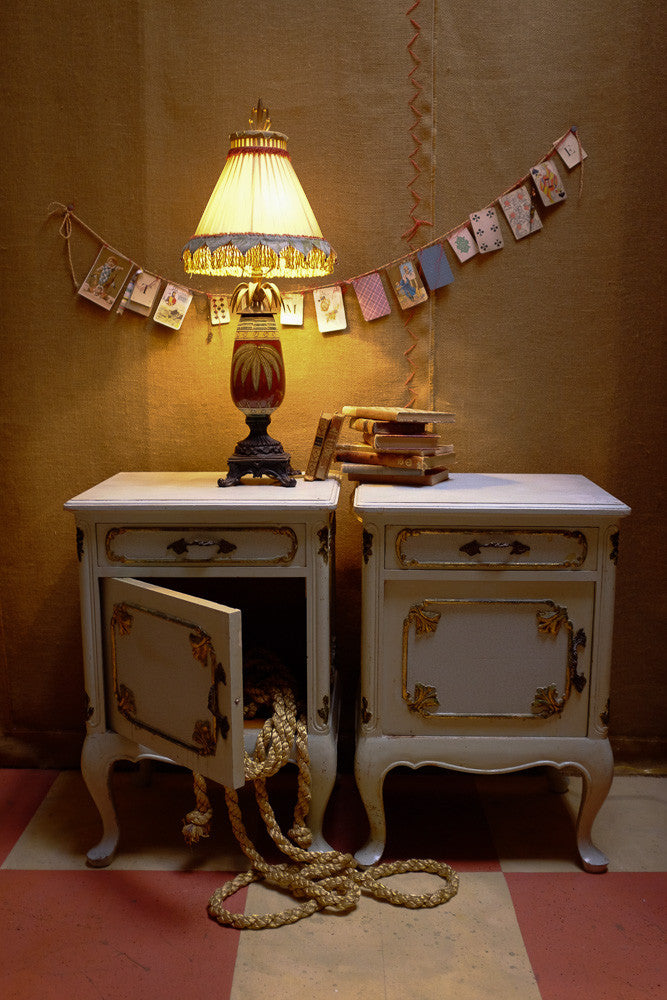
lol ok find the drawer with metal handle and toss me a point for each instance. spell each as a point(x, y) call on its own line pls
point(437, 548)
point(252, 545)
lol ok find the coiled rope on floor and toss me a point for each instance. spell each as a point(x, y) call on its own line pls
point(327, 880)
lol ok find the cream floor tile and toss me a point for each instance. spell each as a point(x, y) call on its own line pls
point(383, 952)
point(533, 828)
point(66, 825)
point(631, 827)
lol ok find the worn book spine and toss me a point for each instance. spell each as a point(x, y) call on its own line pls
point(402, 442)
point(364, 455)
point(329, 446)
point(398, 477)
point(316, 450)
point(387, 426)
point(400, 414)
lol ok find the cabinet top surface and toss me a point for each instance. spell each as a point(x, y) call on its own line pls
point(493, 492)
point(200, 490)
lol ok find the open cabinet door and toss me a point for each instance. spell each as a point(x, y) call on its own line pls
point(174, 676)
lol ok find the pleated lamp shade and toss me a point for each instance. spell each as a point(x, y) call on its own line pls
point(258, 218)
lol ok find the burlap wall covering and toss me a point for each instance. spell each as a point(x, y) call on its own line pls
point(549, 351)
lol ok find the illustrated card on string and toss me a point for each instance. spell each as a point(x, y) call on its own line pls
point(218, 310)
point(486, 227)
point(106, 278)
point(144, 293)
point(129, 288)
point(570, 152)
point(329, 309)
point(547, 181)
point(407, 284)
point(372, 296)
point(173, 306)
point(463, 244)
point(520, 212)
point(435, 266)
point(291, 310)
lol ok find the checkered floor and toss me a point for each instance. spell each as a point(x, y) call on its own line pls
point(527, 922)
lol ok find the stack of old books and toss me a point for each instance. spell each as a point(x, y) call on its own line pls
point(396, 445)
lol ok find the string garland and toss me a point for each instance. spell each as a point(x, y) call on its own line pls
point(69, 217)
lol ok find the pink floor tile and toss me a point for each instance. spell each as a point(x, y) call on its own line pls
point(128, 934)
point(21, 792)
point(594, 937)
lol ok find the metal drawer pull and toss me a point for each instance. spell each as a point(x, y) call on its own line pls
point(474, 548)
point(181, 546)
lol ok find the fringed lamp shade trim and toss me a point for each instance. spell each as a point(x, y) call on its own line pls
point(239, 254)
point(258, 217)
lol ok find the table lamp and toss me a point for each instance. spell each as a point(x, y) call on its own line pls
point(258, 225)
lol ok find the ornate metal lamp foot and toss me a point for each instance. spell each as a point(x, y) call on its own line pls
point(258, 455)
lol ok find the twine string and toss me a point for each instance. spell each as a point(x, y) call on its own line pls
point(69, 217)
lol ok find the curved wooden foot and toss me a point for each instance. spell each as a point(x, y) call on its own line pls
point(370, 773)
point(597, 778)
point(100, 753)
point(322, 753)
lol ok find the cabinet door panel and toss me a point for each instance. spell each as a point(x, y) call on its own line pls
point(476, 656)
point(174, 676)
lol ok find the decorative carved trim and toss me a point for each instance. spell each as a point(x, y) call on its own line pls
point(121, 624)
point(424, 701)
point(79, 543)
point(366, 545)
point(475, 546)
point(366, 716)
point(323, 536)
point(204, 739)
point(551, 618)
point(180, 546)
point(605, 713)
point(127, 704)
point(547, 701)
point(323, 712)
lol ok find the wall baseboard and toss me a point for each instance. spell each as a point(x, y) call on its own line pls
point(636, 755)
point(59, 750)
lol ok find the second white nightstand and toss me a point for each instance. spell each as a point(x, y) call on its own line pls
point(487, 613)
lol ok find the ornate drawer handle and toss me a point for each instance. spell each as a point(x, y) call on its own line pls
point(181, 546)
point(474, 548)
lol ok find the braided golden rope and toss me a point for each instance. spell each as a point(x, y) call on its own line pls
point(327, 880)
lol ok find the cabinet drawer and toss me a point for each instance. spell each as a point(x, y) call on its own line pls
point(434, 548)
point(254, 545)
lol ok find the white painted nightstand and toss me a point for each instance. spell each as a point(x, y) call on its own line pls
point(178, 578)
point(487, 613)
